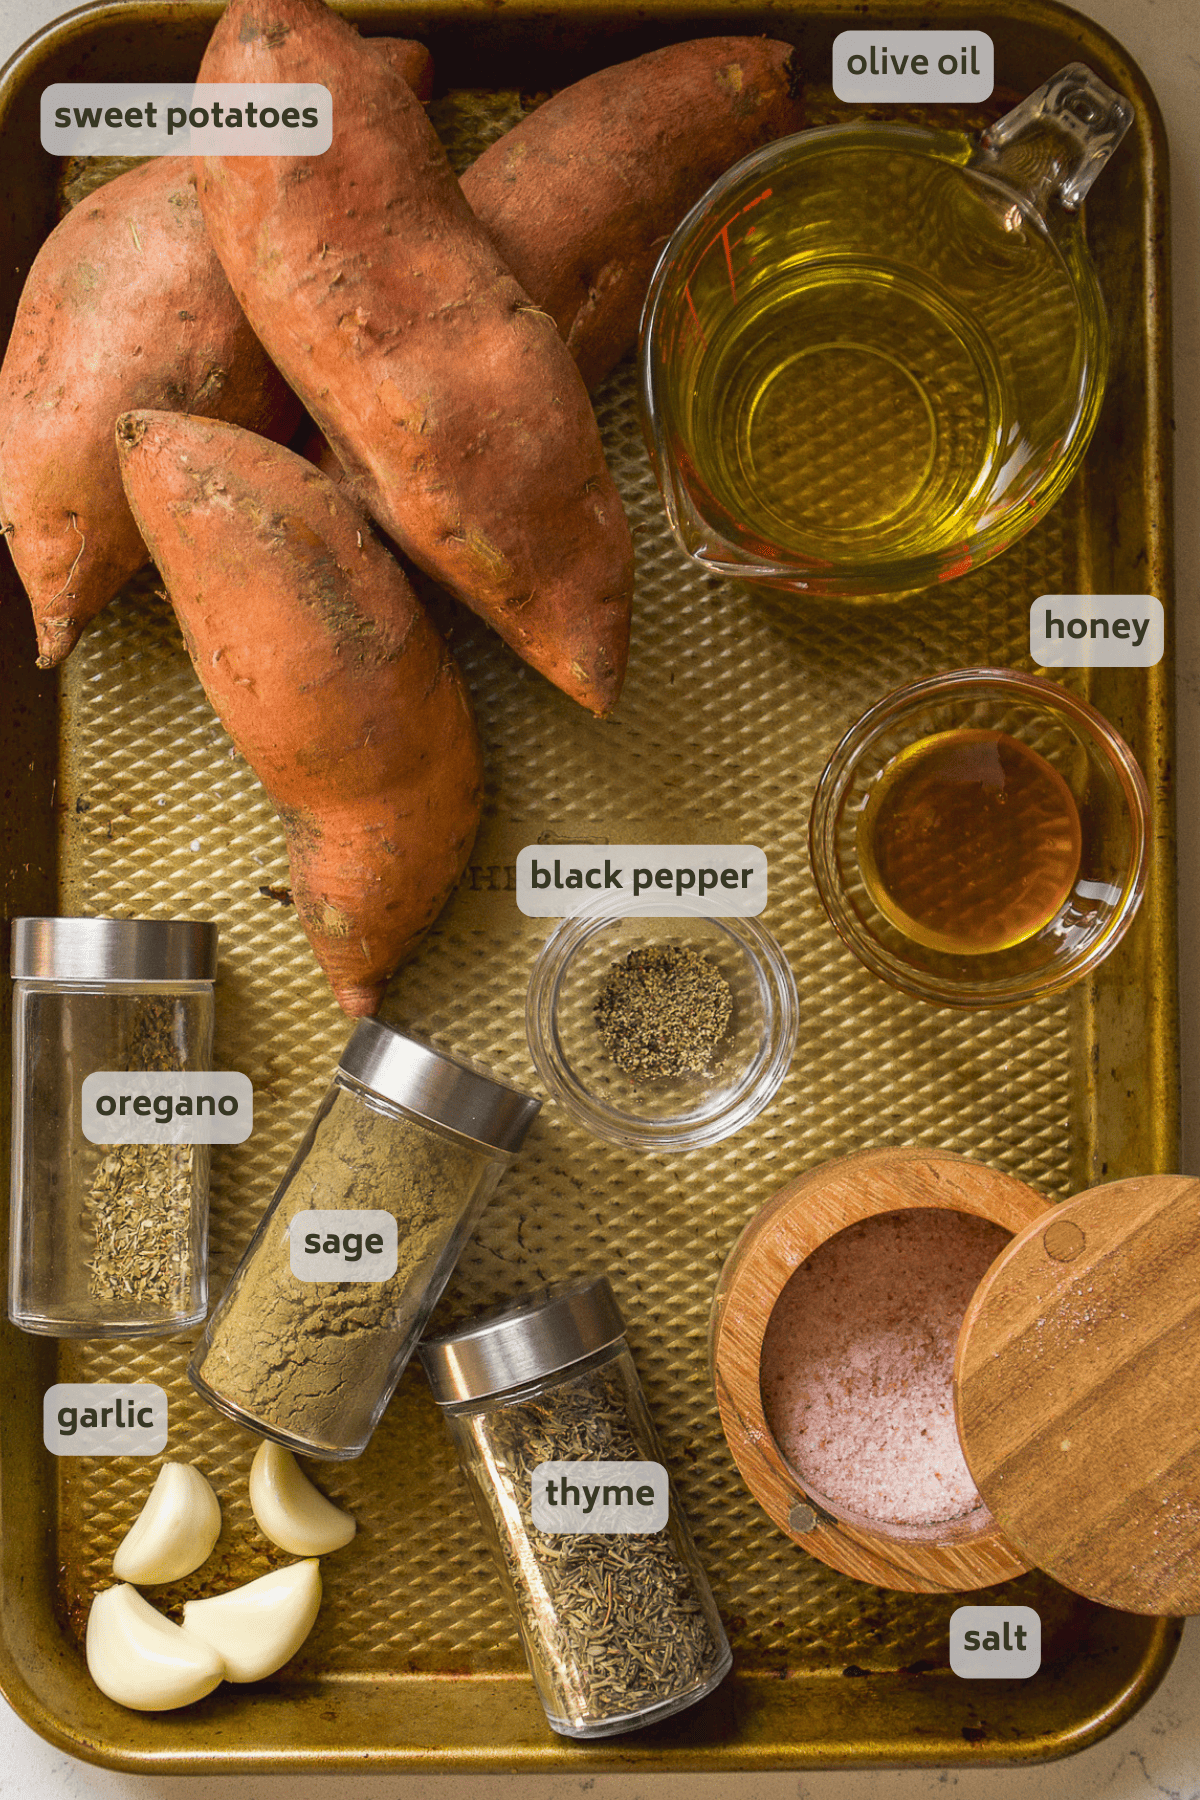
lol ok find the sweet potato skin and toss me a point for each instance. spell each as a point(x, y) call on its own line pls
point(328, 676)
point(126, 306)
point(447, 395)
point(581, 196)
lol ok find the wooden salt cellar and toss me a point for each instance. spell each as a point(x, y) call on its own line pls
point(1077, 1382)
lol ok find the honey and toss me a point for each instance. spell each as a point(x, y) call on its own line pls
point(970, 842)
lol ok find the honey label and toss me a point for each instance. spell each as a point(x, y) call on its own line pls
point(991, 1641)
point(1097, 631)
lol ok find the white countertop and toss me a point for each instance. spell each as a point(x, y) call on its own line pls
point(1158, 1751)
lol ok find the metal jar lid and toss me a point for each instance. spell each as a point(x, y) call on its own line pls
point(437, 1087)
point(524, 1340)
point(114, 950)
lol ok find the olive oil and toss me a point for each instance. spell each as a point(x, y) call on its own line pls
point(905, 354)
point(969, 842)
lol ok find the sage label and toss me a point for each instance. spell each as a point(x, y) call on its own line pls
point(991, 1641)
point(1097, 631)
point(167, 1107)
point(343, 1246)
point(184, 118)
point(605, 1497)
point(913, 65)
point(668, 880)
point(99, 1418)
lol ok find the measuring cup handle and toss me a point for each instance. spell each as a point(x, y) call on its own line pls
point(1054, 144)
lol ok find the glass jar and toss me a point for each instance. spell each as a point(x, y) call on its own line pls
point(107, 1240)
point(418, 1141)
point(618, 1622)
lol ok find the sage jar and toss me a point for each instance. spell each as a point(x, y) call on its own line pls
point(106, 1240)
point(325, 1308)
point(618, 1623)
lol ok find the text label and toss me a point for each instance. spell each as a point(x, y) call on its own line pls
point(707, 880)
point(606, 1497)
point(98, 1418)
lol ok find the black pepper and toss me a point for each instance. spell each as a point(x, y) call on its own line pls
point(664, 1011)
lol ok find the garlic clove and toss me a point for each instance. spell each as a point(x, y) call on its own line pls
point(254, 1629)
point(175, 1530)
point(142, 1660)
point(289, 1509)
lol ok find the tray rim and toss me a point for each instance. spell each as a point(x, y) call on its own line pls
point(673, 18)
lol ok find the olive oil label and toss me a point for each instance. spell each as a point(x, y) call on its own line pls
point(604, 1497)
point(353, 1245)
point(100, 1418)
point(166, 1107)
point(991, 1641)
point(913, 65)
point(1097, 631)
point(184, 118)
point(716, 881)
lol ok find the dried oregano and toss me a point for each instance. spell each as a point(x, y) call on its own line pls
point(138, 1208)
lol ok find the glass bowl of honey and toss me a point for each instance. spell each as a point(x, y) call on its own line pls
point(980, 838)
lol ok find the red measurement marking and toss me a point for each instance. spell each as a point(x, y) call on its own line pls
point(722, 238)
point(687, 294)
point(965, 561)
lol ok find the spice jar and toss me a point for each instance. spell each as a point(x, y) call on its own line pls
point(417, 1140)
point(107, 1240)
point(618, 1624)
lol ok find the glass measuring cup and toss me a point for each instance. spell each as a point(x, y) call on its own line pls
point(873, 355)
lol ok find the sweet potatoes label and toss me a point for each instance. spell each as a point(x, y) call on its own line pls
point(183, 118)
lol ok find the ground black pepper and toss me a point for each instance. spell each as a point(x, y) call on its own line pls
point(664, 1011)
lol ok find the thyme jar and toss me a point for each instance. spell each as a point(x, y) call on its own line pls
point(107, 1240)
point(336, 1286)
point(618, 1622)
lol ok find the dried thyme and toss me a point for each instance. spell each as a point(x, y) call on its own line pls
point(664, 1011)
point(138, 1208)
point(615, 1619)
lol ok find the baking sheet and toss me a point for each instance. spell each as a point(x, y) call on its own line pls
point(127, 797)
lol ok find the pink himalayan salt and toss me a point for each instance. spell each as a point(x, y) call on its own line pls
point(857, 1363)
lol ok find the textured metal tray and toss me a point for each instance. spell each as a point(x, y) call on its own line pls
point(122, 794)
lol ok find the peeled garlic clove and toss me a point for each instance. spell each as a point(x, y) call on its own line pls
point(289, 1509)
point(175, 1530)
point(142, 1660)
point(256, 1628)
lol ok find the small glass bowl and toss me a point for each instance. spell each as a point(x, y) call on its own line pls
point(1110, 796)
point(659, 1113)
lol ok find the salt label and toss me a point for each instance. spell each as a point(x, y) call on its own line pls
point(991, 1641)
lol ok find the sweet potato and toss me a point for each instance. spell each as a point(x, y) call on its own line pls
point(125, 306)
point(329, 678)
point(581, 196)
point(447, 394)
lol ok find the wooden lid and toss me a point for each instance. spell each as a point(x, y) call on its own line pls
point(1077, 1389)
